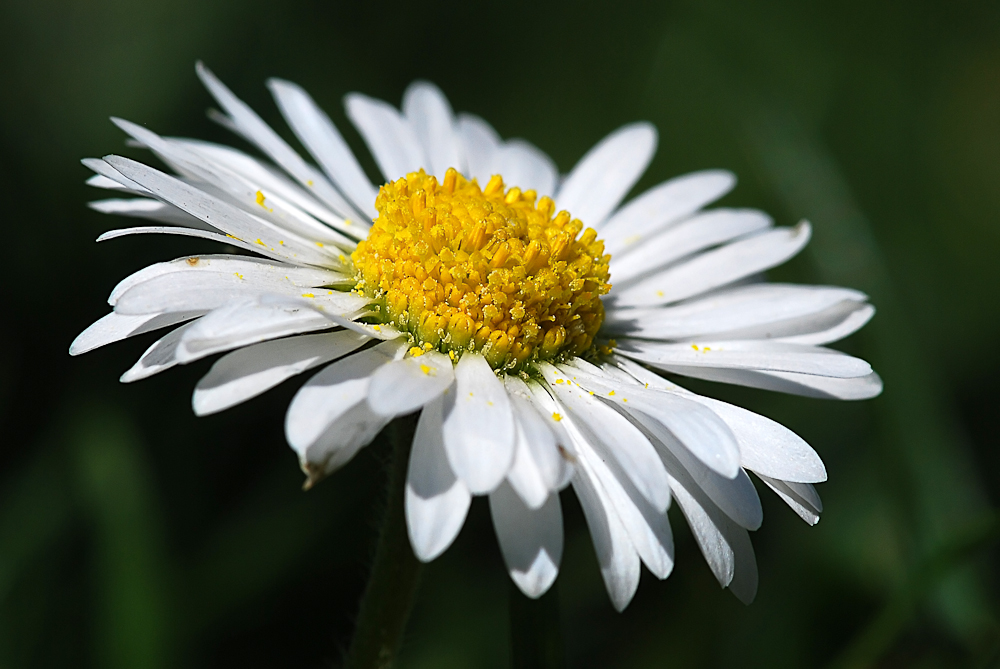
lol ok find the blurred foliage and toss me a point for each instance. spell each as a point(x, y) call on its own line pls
point(134, 535)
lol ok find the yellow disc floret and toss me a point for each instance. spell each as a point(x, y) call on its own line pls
point(462, 268)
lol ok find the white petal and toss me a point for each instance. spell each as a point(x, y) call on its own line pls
point(187, 232)
point(430, 115)
point(701, 432)
point(541, 441)
point(479, 426)
point(105, 171)
point(253, 128)
point(221, 215)
point(208, 290)
point(251, 269)
point(318, 134)
point(665, 204)
point(339, 389)
point(246, 322)
point(436, 500)
point(716, 268)
point(767, 447)
point(733, 493)
point(381, 332)
point(744, 583)
point(115, 327)
point(851, 318)
point(531, 540)
point(615, 436)
point(524, 475)
point(147, 208)
point(711, 228)
point(725, 545)
point(98, 181)
point(524, 165)
point(479, 143)
point(250, 371)
point(607, 172)
point(243, 181)
point(158, 357)
point(735, 496)
point(616, 556)
point(821, 327)
point(552, 415)
point(405, 385)
point(807, 385)
point(717, 551)
point(746, 355)
point(648, 528)
point(645, 376)
point(519, 162)
point(285, 203)
point(755, 311)
point(801, 497)
point(389, 136)
point(351, 431)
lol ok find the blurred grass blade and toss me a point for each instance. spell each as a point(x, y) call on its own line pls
point(880, 634)
point(941, 488)
point(34, 510)
point(130, 568)
point(845, 252)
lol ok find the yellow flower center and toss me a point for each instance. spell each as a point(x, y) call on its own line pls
point(462, 268)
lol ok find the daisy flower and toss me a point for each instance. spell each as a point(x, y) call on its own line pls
point(527, 315)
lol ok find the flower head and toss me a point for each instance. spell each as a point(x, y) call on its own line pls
point(527, 336)
point(462, 268)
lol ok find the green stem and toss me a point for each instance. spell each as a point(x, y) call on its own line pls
point(392, 585)
point(535, 632)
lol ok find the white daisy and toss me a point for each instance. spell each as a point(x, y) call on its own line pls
point(478, 300)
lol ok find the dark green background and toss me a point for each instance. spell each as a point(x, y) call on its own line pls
point(133, 534)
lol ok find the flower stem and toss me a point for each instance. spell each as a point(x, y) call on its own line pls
point(392, 585)
point(535, 631)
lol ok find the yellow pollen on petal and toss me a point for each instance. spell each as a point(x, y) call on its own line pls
point(260, 201)
point(611, 394)
point(416, 351)
point(308, 295)
point(495, 270)
point(425, 369)
point(556, 417)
